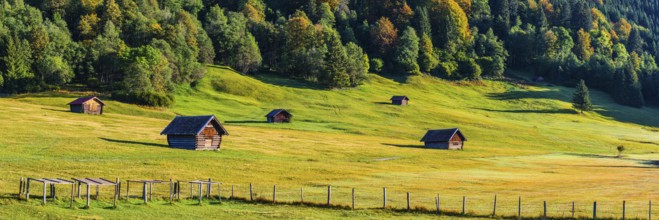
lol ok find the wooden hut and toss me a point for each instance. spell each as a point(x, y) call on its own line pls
point(87, 105)
point(195, 132)
point(449, 139)
point(279, 116)
point(399, 100)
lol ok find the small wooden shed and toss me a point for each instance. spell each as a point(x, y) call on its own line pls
point(279, 116)
point(195, 132)
point(399, 100)
point(448, 139)
point(87, 105)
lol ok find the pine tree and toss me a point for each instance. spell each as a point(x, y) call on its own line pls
point(408, 52)
point(635, 42)
point(427, 59)
point(18, 62)
point(581, 98)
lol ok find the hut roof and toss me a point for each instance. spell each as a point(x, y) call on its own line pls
point(399, 98)
point(192, 125)
point(442, 135)
point(275, 112)
point(82, 100)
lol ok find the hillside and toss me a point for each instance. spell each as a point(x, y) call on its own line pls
point(495, 115)
point(523, 141)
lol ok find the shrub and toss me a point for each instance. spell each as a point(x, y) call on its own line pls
point(376, 65)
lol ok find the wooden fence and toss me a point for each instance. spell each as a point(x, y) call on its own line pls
point(505, 206)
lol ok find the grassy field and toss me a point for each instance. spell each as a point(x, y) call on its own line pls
point(524, 140)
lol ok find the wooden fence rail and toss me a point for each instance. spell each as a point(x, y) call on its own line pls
point(348, 198)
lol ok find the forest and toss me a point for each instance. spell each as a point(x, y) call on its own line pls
point(139, 51)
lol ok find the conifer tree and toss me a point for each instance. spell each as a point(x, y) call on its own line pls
point(581, 98)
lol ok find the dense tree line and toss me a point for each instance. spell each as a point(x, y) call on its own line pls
point(140, 50)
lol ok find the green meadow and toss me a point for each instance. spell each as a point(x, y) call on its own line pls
point(524, 140)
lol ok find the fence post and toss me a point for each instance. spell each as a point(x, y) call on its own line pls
point(594, 210)
point(624, 207)
point(201, 192)
point(384, 197)
point(572, 209)
point(408, 201)
point(20, 188)
point(171, 191)
point(144, 190)
point(437, 203)
point(274, 194)
point(519, 208)
point(544, 210)
point(464, 201)
point(329, 195)
point(251, 192)
point(353, 198)
point(116, 193)
point(494, 211)
point(650, 210)
point(231, 192)
point(302, 195)
point(72, 194)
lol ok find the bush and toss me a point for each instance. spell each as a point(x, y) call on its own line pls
point(145, 98)
point(376, 65)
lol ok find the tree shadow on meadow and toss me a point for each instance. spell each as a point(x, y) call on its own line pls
point(622, 116)
point(246, 122)
point(419, 146)
point(644, 164)
point(524, 94)
point(539, 111)
point(278, 80)
point(56, 110)
point(134, 142)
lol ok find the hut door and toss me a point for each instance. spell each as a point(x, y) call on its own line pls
point(208, 143)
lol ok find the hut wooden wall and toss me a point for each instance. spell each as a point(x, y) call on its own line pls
point(437, 145)
point(399, 102)
point(93, 107)
point(188, 142)
point(77, 109)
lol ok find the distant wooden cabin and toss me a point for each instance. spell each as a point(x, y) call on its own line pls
point(399, 100)
point(449, 139)
point(279, 116)
point(195, 132)
point(87, 105)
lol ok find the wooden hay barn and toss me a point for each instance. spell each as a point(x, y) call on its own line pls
point(195, 132)
point(399, 100)
point(279, 116)
point(87, 105)
point(448, 139)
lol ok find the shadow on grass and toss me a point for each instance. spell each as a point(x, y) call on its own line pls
point(56, 110)
point(522, 94)
point(383, 103)
point(276, 79)
point(644, 163)
point(622, 116)
point(246, 122)
point(405, 145)
point(396, 78)
point(540, 111)
point(135, 142)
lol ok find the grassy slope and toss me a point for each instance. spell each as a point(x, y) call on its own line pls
point(522, 141)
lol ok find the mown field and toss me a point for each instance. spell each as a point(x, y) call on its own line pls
point(523, 140)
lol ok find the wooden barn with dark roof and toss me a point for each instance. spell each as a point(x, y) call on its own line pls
point(449, 139)
point(399, 100)
point(195, 132)
point(87, 105)
point(279, 116)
